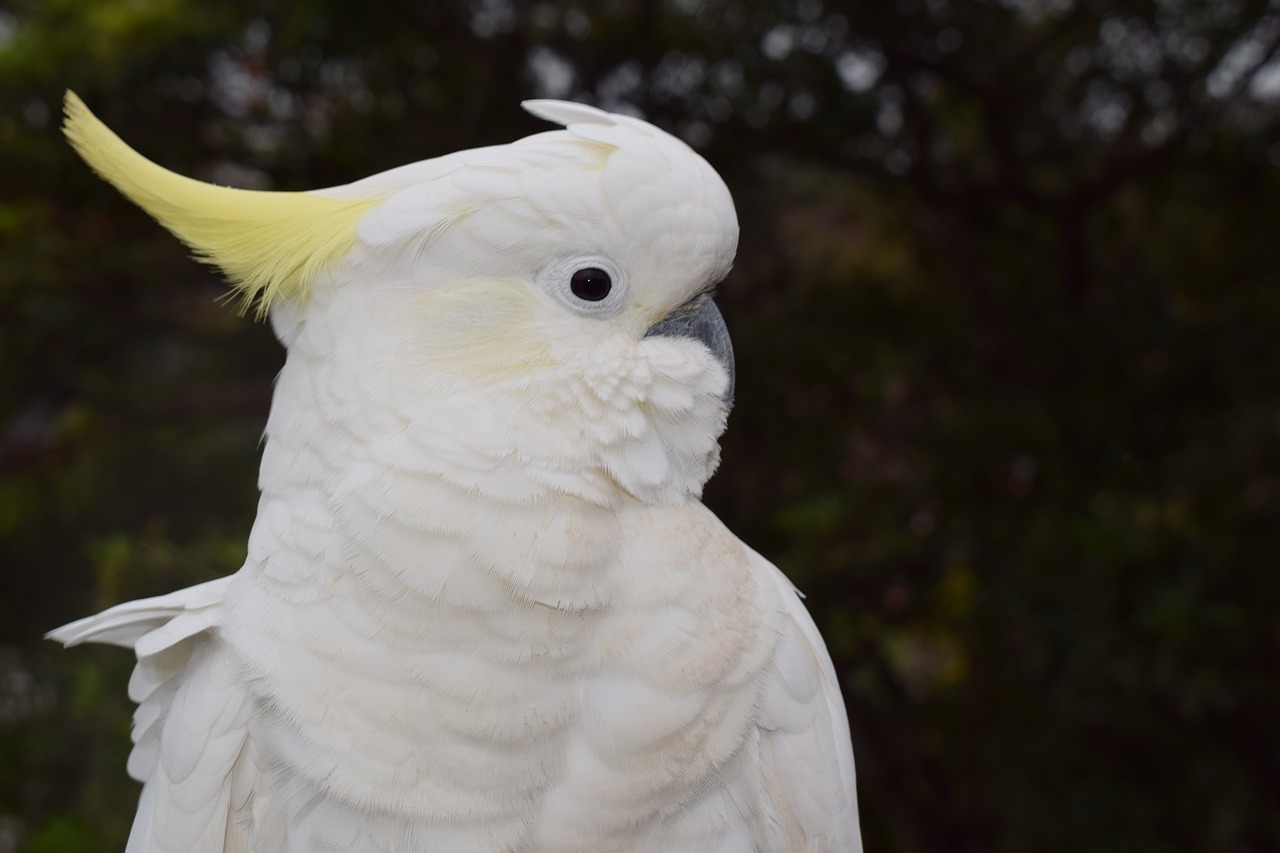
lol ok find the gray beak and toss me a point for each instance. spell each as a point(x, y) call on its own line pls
point(702, 324)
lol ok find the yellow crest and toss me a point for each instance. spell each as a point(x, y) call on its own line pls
point(271, 245)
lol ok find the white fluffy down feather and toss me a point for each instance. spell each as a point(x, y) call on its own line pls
point(483, 607)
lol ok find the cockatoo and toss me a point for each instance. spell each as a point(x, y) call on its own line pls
point(483, 607)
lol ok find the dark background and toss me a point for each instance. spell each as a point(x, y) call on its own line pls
point(1007, 322)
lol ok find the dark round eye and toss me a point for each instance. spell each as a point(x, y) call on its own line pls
point(591, 284)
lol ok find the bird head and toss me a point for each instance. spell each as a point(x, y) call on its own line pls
point(543, 305)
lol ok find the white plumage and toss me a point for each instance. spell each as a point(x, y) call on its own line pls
point(483, 608)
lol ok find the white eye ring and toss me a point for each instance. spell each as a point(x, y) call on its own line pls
point(556, 278)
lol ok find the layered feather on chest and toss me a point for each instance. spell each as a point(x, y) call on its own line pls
point(489, 667)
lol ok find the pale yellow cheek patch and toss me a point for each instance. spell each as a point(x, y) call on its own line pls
point(484, 330)
point(271, 245)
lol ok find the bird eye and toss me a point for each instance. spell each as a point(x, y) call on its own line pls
point(591, 284)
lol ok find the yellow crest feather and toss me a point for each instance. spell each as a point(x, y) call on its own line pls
point(271, 245)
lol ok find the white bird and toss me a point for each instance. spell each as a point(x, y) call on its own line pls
point(483, 607)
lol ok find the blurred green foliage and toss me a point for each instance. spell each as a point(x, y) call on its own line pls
point(1009, 375)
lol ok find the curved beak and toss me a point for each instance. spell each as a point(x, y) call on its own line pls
point(702, 323)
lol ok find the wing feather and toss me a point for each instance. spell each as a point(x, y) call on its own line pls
point(192, 749)
point(125, 624)
point(805, 746)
